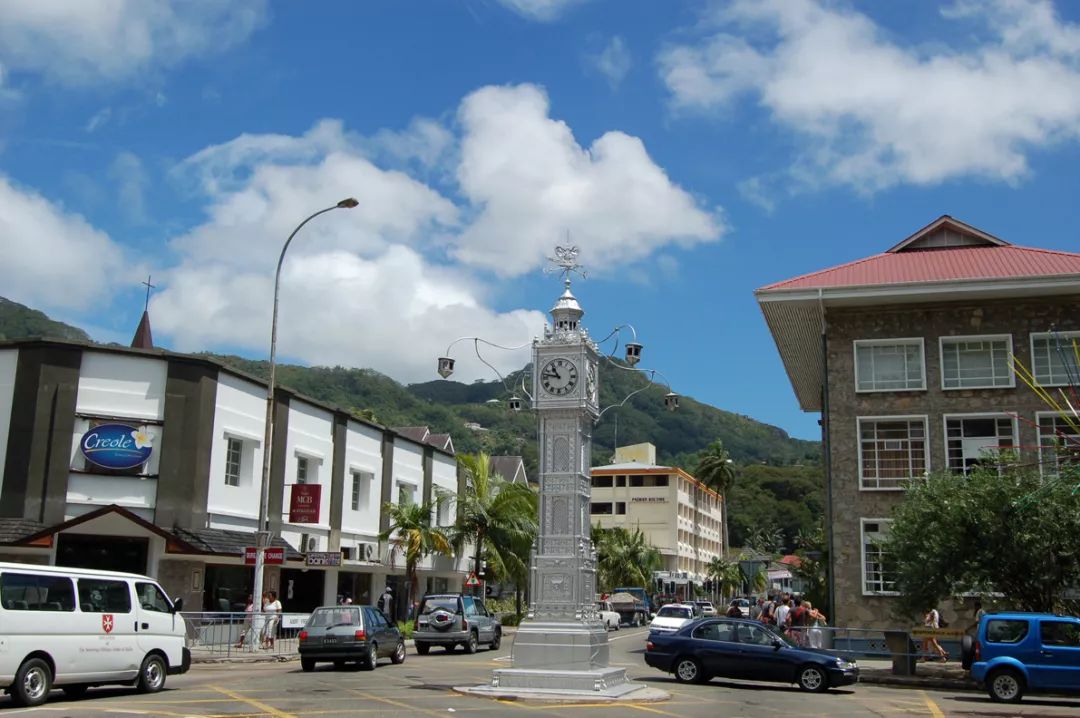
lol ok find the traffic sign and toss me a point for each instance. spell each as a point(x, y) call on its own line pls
point(472, 580)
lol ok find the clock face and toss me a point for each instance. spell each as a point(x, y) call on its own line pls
point(559, 377)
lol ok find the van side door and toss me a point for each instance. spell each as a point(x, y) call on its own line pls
point(156, 624)
point(107, 625)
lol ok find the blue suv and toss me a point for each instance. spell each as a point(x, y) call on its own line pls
point(1014, 653)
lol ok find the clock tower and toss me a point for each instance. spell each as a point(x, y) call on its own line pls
point(563, 646)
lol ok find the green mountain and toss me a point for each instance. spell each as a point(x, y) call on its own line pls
point(780, 483)
point(18, 322)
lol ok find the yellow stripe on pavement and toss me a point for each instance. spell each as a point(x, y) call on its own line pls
point(262, 707)
point(935, 711)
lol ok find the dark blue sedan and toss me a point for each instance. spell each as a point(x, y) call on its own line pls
point(733, 648)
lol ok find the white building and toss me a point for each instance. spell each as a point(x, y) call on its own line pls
point(678, 514)
point(186, 511)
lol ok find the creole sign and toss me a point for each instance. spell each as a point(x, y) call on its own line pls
point(304, 504)
point(275, 555)
point(322, 558)
point(116, 446)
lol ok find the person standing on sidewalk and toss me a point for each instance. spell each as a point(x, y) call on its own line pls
point(273, 615)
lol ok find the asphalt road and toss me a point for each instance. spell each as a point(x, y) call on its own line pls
point(422, 687)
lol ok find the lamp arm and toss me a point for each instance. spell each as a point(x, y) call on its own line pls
point(485, 341)
point(615, 333)
point(652, 382)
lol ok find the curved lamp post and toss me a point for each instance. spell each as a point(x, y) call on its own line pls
point(264, 534)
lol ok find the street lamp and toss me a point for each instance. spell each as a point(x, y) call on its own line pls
point(263, 533)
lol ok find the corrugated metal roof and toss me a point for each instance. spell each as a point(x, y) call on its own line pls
point(939, 265)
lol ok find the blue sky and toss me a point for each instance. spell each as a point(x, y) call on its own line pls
point(694, 151)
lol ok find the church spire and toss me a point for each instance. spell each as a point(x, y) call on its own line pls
point(144, 338)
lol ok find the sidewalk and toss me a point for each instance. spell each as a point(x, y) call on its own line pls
point(949, 676)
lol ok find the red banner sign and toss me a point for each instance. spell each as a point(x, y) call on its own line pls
point(304, 503)
point(275, 556)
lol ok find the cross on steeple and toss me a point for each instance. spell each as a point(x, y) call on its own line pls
point(148, 286)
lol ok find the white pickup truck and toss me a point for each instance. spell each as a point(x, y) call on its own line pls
point(609, 616)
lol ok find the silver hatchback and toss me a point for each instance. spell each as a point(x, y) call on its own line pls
point(453, 619)
point(339, 634)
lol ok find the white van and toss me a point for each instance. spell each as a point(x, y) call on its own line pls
point(74, 628)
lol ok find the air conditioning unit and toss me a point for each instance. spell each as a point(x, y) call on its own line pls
point(309, 543)
point(367, 551)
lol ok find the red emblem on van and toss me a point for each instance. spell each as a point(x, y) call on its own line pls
point(106, 622)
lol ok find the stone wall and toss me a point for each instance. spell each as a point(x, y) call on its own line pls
point(178, 580)
point(929, 321)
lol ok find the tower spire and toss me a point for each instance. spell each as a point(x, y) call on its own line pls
point(144, 338)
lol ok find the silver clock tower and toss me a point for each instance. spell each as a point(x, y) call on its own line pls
point(562, 646)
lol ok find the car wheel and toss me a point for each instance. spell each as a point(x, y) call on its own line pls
point(813, 679)
point(471, 644)
point(151, 674)
point(372, 659)
point(422, 648)
point(1005, 686)
point(307, 664)
point(497, 641)
point(617, 625)
point(398, 656)
point(688, 670)
point(967, 652)
point(32, 683)
point(75, 691)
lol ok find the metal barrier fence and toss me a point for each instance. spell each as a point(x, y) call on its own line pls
point(231, 635)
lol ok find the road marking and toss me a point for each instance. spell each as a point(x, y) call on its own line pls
point(935, 711)
point(396, 704)
point(263, 707)
point(628, 635)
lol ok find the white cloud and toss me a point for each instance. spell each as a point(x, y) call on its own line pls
point(394, 312)
point(531, 183)
point(542, 10)
point(613, 62)
point(88, 41)
point(874, 113)
point(98, 120)
point(53, 258)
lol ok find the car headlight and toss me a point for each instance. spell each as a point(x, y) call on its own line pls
point(844, 664)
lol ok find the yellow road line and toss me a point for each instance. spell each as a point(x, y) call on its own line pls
point(935, 711)
point(262, 707)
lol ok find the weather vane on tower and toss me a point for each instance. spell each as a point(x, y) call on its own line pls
point(565, 261)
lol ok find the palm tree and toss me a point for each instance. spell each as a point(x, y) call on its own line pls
point(411, 534)
point(624, 558)
point(716, 470)
point(499, 519)
point(725, 574)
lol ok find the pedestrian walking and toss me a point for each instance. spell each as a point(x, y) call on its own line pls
point(781, 613)
point(733, 610)
point(386, 604)
point(932, 620)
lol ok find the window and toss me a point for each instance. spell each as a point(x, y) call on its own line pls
point(29, 592)
point(661, 481)
point(1053, 358)
point(601, 481)
point(234, 457)
point(620, 507)
point(976, 362)
point(1060, 633)
point(878, 572)
point(301, 469)
point(974, 440)
point(1006, 631)
point(152, 599)
point(470, 607)
point(715, 632)
point(406, 494)
point(1059, 443)
point(620, 481)
point(889, 365)
point(361, 489)
point(637, 480)
point(103, 596)
point(892, 451)
point(603, 508)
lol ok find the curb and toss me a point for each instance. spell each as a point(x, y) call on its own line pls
point(887, 679)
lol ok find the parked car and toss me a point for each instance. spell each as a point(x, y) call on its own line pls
point(671, 618)
point(609, 616)
point(736, 648)
point(339, 634)
point(707, 608)
point(1016, 653)
point(454, 619)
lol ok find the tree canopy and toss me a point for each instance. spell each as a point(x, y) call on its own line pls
point(1007, 532)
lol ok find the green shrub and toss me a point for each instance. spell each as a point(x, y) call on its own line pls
point(406, 628)
point(511, 619)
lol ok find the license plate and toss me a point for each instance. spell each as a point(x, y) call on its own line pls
point(422, 621)
point(329, 639)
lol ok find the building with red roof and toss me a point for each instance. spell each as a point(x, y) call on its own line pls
point(908, 356)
